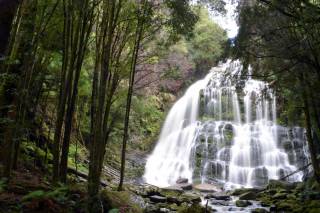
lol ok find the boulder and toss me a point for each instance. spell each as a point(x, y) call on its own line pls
point(172, 189)
point(248, 196)
point(182, 180)
point(204, 187)
point(185, 186)
point(190, 198)
point(173, 200)
point(240, 191)
point(243, 203)
point(158, 199)
point(280, 196)
point(278, 184)
point(221, 196)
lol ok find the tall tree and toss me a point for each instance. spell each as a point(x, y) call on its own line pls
point(78, 22)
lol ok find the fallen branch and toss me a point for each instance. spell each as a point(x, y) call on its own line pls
point(300, 169)
point(83, 175)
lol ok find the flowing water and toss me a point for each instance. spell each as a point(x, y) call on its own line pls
point(219, 132)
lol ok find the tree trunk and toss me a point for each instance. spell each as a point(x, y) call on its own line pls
point(311, 145)
point(135, 53)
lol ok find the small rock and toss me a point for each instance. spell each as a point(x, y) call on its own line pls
point(233, 209)
point(243, 203)
point(248, 196)
point(206, 188)
point(182, 180)
point(158, 199)
point(264, 204)
point(150, 191)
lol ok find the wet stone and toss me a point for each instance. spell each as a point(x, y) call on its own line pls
point(206, 187)
point(248, 196)
point(219, 202)
point(185, 186)
point(221, 196)
point(182, 180)
point(158, 199)
point(243, 203)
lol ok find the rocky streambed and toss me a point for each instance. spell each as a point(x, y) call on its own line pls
point(277, 196)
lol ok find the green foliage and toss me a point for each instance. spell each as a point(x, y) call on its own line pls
point(34, 195)
point(59, 194)
point(76, 157)
point(207, 45)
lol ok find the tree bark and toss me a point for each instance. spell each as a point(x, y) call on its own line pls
point(310, 140)
point(140, 25)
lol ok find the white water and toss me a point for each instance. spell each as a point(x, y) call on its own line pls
point(216, 133)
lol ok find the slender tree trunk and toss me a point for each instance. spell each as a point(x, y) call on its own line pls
point(135, 53)
point(310, 140)
point(97, 148)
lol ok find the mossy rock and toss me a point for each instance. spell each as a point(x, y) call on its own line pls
point(194, 208)
point(243, 203)
point(280, 196)
point(118, 200)
point(190, 198)
point(241, 191)
point(277, 184)
point(288, 206)
point(174, 207)
point(248, 196)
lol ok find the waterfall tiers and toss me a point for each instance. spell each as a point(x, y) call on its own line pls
point(218, 133)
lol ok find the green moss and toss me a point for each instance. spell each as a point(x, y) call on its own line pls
point(194, 208)
point(119, 200)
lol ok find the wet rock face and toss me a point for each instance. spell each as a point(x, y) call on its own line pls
point(293, 142)
point(260, 176)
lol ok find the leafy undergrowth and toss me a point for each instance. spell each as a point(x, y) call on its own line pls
point(29, 191)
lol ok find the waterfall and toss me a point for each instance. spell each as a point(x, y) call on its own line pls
point(218, 133)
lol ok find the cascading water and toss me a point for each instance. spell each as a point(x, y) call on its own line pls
point(217, 133)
